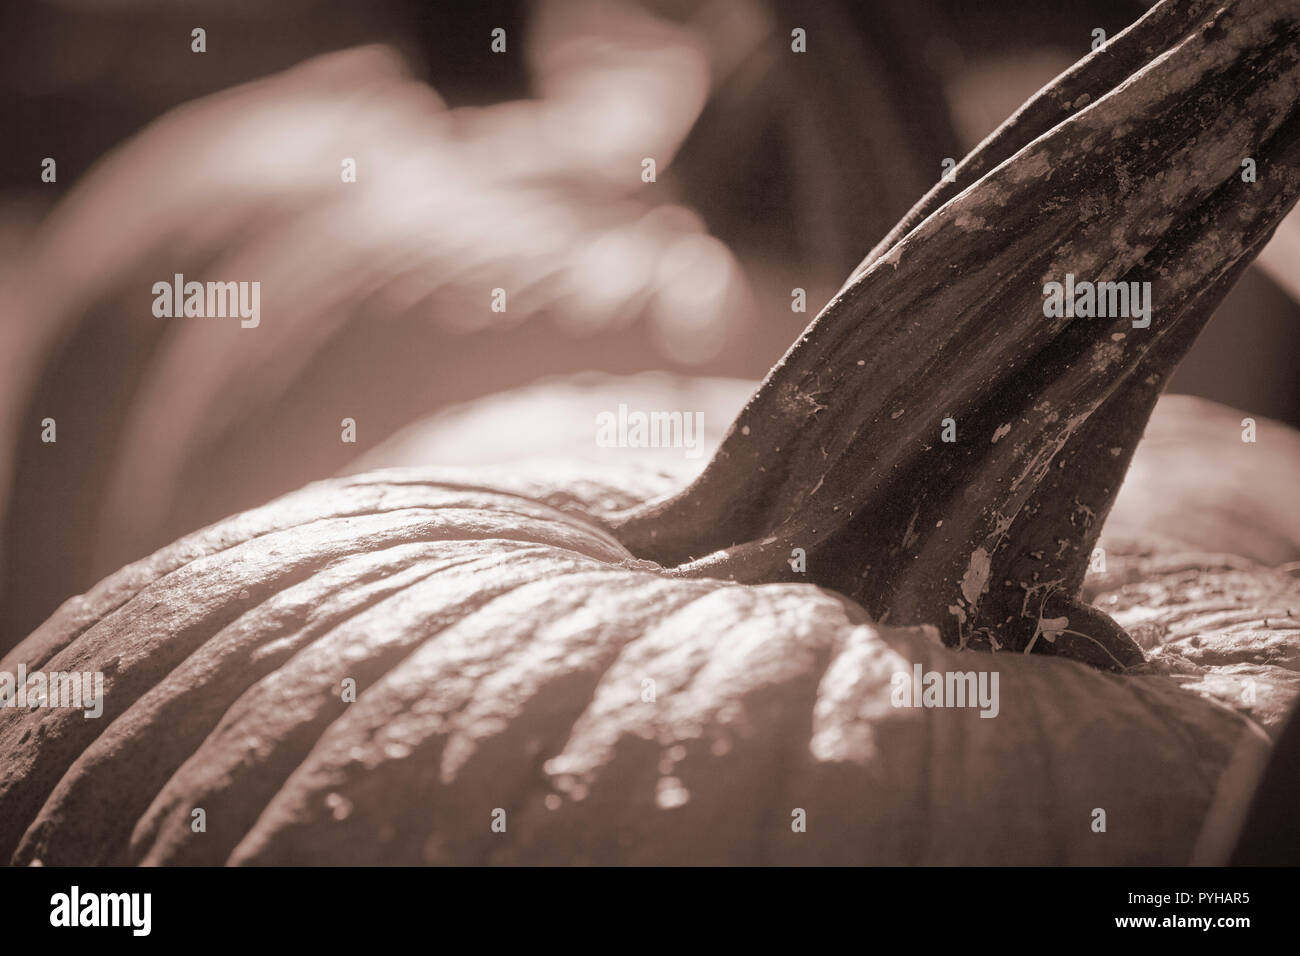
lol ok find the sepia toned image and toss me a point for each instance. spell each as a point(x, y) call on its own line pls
point(650, 433)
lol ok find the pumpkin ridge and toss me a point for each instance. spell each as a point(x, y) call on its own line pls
point(678, 600)
point(34, 764)
point(72, 811)
point(95, 603)
point(788, 753)
point(1045, 751)
point(791, 750)
point(100, 638)
point(299, 717)
point(441, 512)
point(314, 502)
point(652, 773)
point(288, 828)
point(125, 635)
point(862, 655)
point(437, 476)
point(685, 679)
point(1159, 700)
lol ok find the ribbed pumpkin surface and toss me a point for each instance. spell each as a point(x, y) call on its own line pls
point(500, 645)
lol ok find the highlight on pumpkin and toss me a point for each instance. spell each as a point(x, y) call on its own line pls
point(612, 433)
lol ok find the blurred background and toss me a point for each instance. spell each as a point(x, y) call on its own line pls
point(475, 170)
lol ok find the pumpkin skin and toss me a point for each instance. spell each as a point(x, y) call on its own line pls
point(500, 639)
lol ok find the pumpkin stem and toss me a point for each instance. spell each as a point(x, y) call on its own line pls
point(936, 445)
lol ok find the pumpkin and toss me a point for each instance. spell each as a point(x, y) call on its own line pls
point(503, 644)
point(584, 666)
